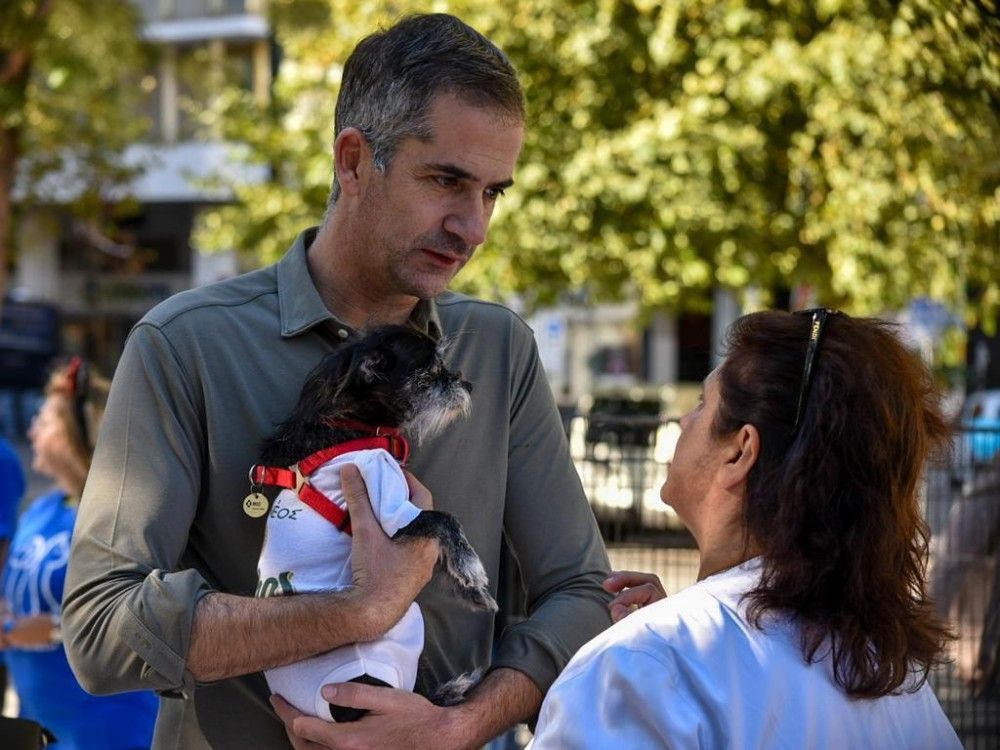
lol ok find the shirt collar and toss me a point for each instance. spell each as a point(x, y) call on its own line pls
point(302, 308)
point(730, 585)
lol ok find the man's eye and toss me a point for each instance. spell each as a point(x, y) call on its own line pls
point(494, 193)
point(446, 181)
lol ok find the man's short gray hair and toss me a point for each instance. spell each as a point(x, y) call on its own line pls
point(393, 76)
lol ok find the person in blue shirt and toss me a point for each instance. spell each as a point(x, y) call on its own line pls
point(983, 436)
point(62, 438)
point(12, 483)
point(11, 490)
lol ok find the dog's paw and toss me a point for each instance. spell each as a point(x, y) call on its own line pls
point(454, 691)
point(469, 577)
point(481, 599)
point(458, 559)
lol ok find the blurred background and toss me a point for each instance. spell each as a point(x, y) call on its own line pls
point(685, 162)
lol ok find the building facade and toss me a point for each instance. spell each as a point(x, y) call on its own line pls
point(101, 286)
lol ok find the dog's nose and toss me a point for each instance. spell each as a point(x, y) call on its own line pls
point(465, 384)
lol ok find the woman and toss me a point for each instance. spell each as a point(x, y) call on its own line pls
point(62, 438)
point(809, 626)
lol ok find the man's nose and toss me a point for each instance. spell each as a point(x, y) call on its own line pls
point(469, 221)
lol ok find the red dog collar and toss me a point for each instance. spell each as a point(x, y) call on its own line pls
point(296, 477)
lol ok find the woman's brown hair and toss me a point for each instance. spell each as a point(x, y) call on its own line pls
point(832, 505)
point(84, 394)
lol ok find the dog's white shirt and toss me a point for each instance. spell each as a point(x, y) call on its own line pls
point(303, 552)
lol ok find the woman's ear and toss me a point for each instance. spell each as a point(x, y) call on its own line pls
point(351, 154)
point(745, 449)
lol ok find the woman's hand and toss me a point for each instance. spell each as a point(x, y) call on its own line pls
point(635, 590)
point(35, 630)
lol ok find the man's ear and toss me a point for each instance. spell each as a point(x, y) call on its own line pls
point(351, 159)
point(742, 457)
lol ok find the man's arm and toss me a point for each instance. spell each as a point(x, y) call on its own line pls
point(504, 698)
point(127, 608)
point(551, 531)
point(132, 619)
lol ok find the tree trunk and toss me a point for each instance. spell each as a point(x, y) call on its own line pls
point(15, 71)
point(8, 169)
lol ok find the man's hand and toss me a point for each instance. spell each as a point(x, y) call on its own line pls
point(388, 574)
point(235, 635)
point(634, 590)
point(396, 719)
point(400, 719)
point(419, 495)
point(290, 715)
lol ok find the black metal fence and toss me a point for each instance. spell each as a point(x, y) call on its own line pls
point(963, 509)
point(624, 461)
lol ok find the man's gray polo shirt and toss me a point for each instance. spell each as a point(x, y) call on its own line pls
point(205, 376)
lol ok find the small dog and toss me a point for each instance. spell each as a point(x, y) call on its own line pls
point(358, 406)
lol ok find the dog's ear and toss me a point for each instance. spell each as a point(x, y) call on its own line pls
point(371, 366)
point(326, 382)
point(319, 393)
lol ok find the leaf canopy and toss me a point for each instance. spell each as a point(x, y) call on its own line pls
point(674, 147)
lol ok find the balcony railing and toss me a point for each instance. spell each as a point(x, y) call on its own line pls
point(166, 10)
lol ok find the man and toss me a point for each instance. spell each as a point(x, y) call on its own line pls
point(428, 128)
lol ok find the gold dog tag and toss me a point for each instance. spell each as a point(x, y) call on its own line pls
point(255, 505)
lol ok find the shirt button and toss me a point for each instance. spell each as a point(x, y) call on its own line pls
point(343, 333)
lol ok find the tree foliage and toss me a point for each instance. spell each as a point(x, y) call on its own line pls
point(69, 104)
point(676, 146)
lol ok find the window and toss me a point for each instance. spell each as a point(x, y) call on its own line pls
point(694, 346)
point(154, 239)
point(193, 89)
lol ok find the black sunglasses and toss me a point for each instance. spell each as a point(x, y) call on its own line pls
point(78, 384)
point(819, 317)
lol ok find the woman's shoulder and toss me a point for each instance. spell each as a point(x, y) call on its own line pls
point(669, 629)
point(707, 605)
point(701, 622)
point(45, 513)
point(46, 502)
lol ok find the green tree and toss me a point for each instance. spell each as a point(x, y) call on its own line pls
point(677, 146)
point(69, 105)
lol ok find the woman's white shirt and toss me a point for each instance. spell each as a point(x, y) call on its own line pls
point(690, 672)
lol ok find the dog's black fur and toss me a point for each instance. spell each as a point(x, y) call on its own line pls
point(393, 376)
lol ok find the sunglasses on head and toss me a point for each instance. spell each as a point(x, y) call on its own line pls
point(819, 318)
point(78, 385)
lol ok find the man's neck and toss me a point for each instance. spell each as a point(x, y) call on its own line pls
point(348, 294)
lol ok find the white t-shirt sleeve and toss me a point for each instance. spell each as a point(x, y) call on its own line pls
point(618, 697)
point(390, 496)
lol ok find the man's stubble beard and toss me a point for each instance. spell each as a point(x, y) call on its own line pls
point(399, 263)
